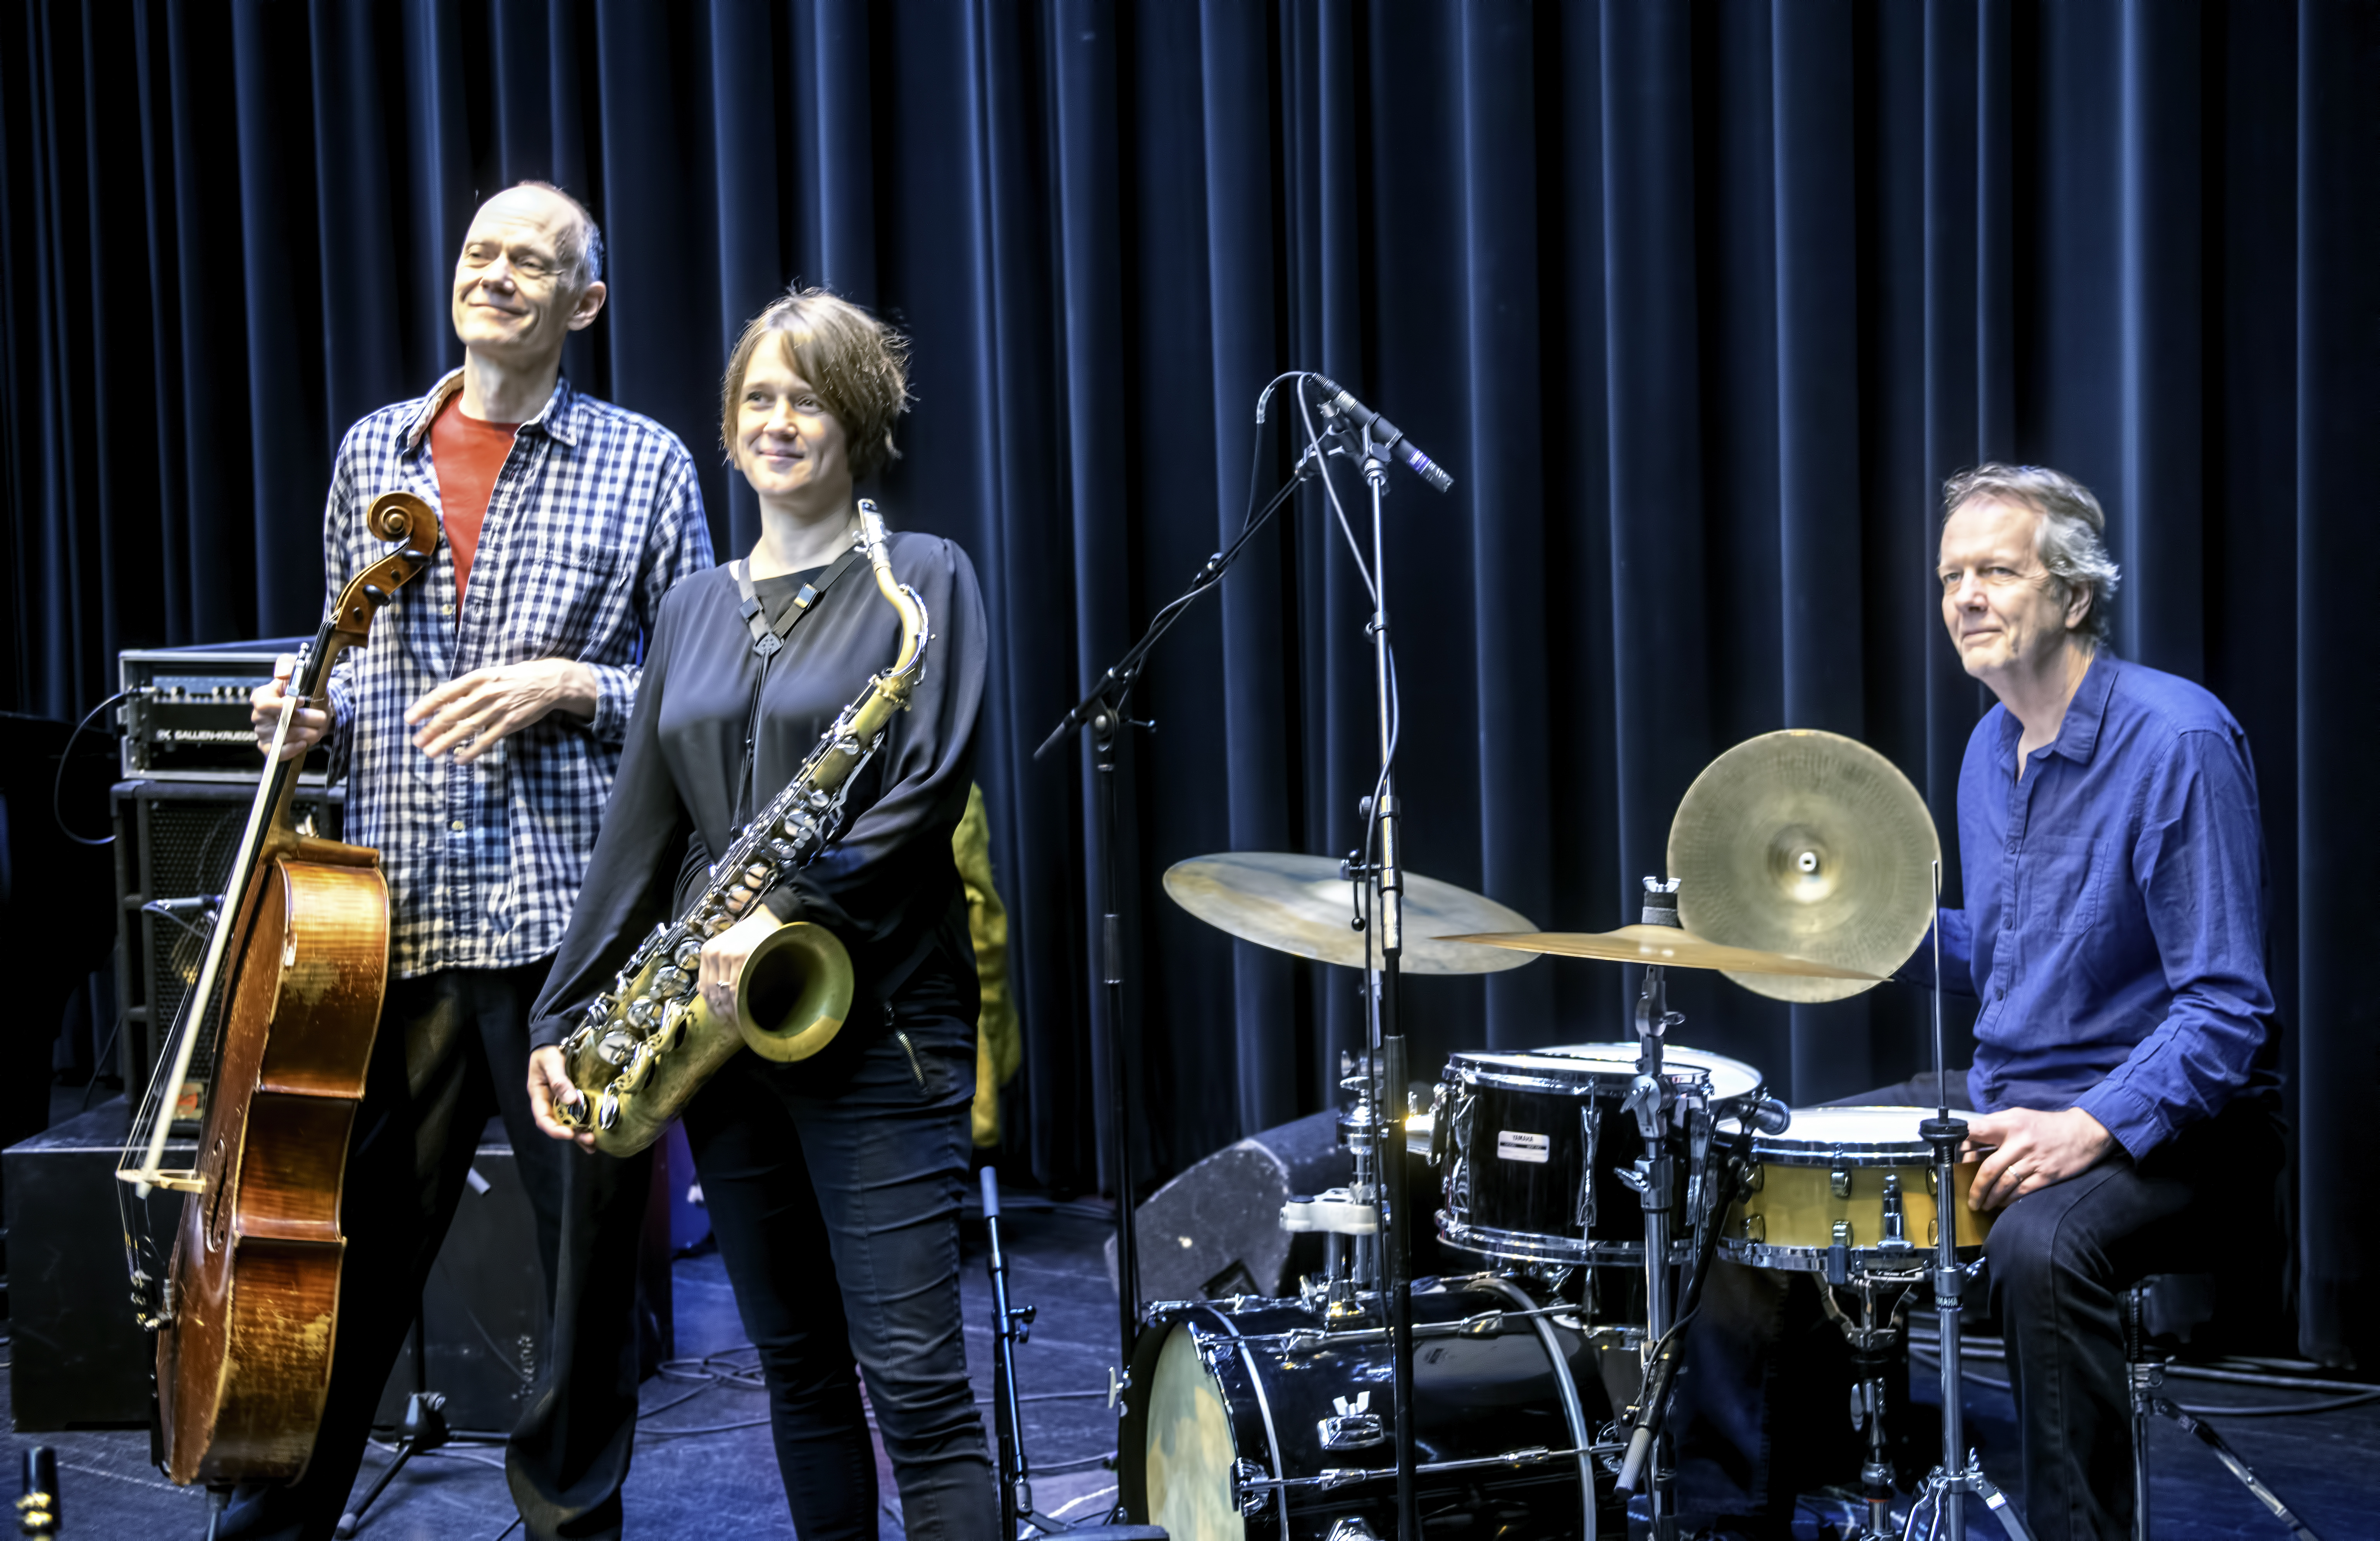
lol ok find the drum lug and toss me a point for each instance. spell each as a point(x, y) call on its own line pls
point(1352, 1427)
point(1933, 1183)
point(1839, 1260)
point(1756, 1177)
point(1756, 1229)
point(1255, 1487)
point(1896, 1219)
point(1839, 1181)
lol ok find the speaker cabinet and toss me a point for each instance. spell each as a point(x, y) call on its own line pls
point(175, 844)
point(79, 1360)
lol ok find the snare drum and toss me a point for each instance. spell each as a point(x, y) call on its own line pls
point(1858, 1178)
point(1531, 1145)
point(1245, 1419)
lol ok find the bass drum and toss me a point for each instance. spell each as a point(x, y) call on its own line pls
point(1247, 1420)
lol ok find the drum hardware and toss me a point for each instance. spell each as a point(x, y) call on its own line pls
point(1946, 1483)
point(2144, 1366)
point(1883, 1315)
point(1644, 1419)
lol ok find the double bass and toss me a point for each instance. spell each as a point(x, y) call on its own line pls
point(245, 1311)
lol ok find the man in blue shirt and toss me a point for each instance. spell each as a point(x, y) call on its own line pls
point(2113, 868)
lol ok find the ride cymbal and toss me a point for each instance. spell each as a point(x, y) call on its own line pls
point(1807, 844)
point(1671, 946)
point(1301, 904)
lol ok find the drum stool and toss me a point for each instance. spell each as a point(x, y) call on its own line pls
point(2146, 1359)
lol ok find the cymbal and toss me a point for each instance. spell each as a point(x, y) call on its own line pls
point(1671, 946)
point(1807, 844)
point(1300, 905)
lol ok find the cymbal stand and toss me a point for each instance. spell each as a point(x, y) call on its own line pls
point(1959, 1474)
point(1654, 1180)
point(1102, 713)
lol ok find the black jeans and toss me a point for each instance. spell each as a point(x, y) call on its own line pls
point(2062, 1258)
point(833, 1187)
point(452, 1050)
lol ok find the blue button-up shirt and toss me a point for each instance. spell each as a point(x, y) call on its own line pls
point(594, 515)
point(2115, 919)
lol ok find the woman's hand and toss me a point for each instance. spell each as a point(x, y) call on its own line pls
point(724, 956)
point(549, 1084)
point(267, 703)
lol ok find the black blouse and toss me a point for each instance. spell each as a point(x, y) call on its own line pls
point(887, 886)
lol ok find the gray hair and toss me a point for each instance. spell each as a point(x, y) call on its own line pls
point(2071, 538)
point(582, 248)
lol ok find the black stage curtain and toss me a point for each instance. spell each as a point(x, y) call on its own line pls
point(1698, 302)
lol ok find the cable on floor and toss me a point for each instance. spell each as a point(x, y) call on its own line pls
point(2196, 1410)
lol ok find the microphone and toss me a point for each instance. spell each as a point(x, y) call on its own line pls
point(1385, 433)
point(1770, 1116)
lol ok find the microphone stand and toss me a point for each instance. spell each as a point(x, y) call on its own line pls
point(1385, 873)
point(1102, 713)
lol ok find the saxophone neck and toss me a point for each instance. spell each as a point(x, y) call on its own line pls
point(903, 600)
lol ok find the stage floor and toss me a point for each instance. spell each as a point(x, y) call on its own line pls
point(723, 1481)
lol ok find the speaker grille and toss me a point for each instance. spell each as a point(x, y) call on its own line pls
point(186, 835)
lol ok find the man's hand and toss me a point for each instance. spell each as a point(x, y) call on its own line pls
point(486, 704)
point(266, 703)
point(2035, 1150)
point(549, 1083)
point(724, 956)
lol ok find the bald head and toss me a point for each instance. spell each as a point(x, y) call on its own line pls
point(529, 274)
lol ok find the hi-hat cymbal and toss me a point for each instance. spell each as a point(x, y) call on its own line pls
point(1300, 905)
point(1807, 844)
point(1671, 946)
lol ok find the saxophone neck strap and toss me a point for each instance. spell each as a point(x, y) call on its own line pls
point(767, 638)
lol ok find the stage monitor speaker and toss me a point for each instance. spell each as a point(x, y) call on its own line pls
point(175, 841)
point(1215, 1230)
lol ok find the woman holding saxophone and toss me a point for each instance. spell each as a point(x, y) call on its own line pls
point(833, 1181)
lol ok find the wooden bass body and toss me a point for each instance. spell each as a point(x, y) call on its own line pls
point(256, 1266)
point(246, 1316)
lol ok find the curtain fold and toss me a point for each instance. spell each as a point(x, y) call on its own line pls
point(1698, 302)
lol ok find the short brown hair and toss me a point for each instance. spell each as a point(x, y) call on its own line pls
point(858, 365)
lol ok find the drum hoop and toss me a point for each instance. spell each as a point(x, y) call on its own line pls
point(1620, 1059)
point(1264, 1406)
point(1565, 1391)
point(1612, 1082)
point(1790, 1150)
point(1914, 1261)
point(1538, 1247)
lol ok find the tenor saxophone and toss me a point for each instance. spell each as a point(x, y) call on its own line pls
point(644, 1047)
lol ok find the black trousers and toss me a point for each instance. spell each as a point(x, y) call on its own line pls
point(2061, 1260)
point(833, 1186)
point(452, 1051)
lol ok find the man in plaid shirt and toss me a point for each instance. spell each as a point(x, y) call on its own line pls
point(480, 733)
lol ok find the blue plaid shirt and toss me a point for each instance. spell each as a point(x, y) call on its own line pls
point(594, 515)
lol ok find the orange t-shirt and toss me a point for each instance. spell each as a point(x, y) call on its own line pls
point(467, 454)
